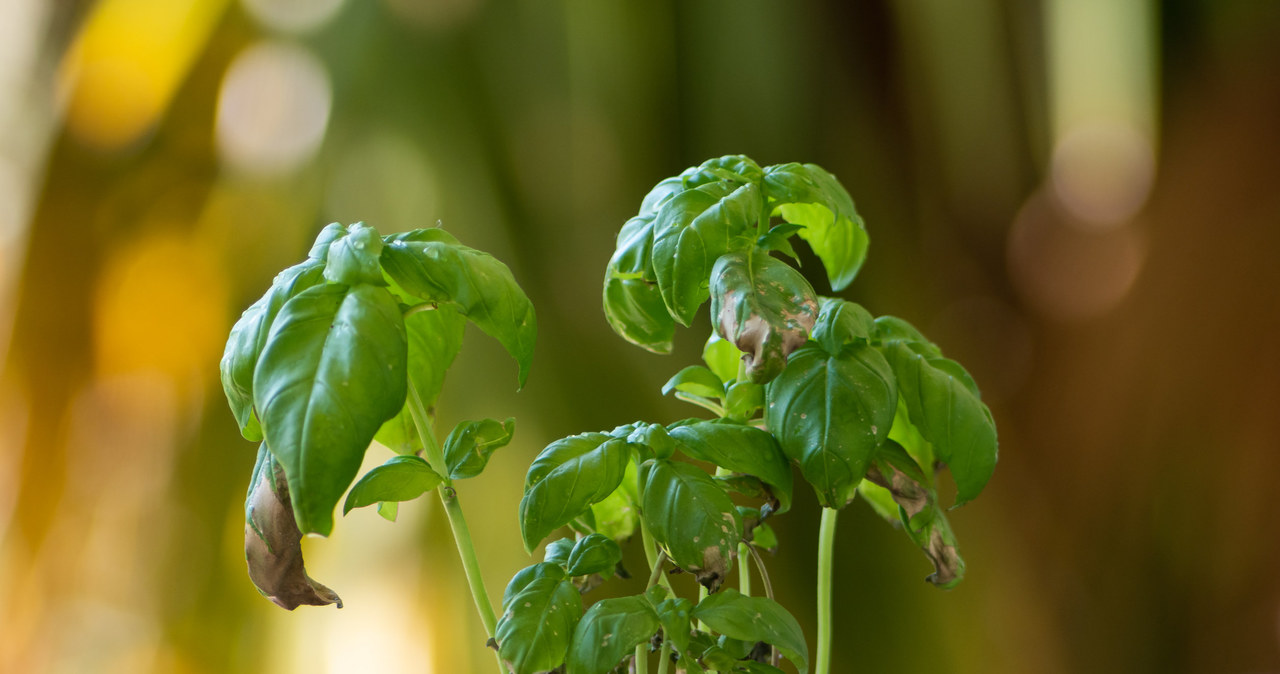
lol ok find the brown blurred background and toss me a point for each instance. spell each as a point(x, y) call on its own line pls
point(1079, 199)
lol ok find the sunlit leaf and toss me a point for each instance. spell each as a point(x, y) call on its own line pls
point(481, 287)
point(537, 624)
point(566, 478)
point(468, 447)
point(401, 478)
point(353, 258)
point(691, 231)
point(610, 630)
point(435, 338)
point(764, 307)
point(949, 414)
point(807, 195)
point(632, 302)
point(721, 357)
point(741, 449)
point(829, 413)
point(753, 619)
point(332, 372)
point(249, 336)
point(691, 517)
point(595, 553)
point(697, 380)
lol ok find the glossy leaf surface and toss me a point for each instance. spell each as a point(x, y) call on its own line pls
point(249, 336)
point(741, 449)
point(595, 553)
point(537, 624)
point(566, 478)
point(691, 231)
point(807, 195)
point(610, 630)
point(829, 413)
point(547, 569)
point(764, 307)
point(435, 338)
point(721, 357)
point(333, 370)
point(841, 322)
point(696, 380)
point(469, 445)
point(691, 517)
point(753, 619)
point(632, 302)
point(401, 478)
point(949, 414)
point(481, 287)
point(353, 258)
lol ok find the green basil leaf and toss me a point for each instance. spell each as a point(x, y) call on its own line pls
point(481, 287)
point(691, 517)
point(829, 413)
point(401, 478)
point(691, 231)
point(632, 302)
point(617, 516)
point(721, 357)
point(841, 322)
point(333, 370)
point(892, 330)
point(468, 447)
point(536, 626)
point(807, 195)
point(658, 196)
point(528, 574)
point(320, 249)
point(764, 537)
point(353, 259)
point(654, 437)
point(566, 478)
point(435, 234)
point(779, 239)
point(764, 307)
point(731, 168)
point(949, 415)
point(743, 400)
point(741, 449)
point(249, 336)
point(753, 619)
point(273, 543)
point(610, 630)
point(595, 553)
point(697, 380)
point(898, 474)
point(435, 338)
point(557, 551)
point(674, 613)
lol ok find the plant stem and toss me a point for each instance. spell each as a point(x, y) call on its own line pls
point(457, 522)
point(826, 546)
point(664, 657)
point(656, 574)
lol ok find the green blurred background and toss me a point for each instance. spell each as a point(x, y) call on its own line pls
point(1079, 199)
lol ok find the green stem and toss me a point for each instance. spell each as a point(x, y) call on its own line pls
point(664, 657)
point(457, 522)
point(826, 546)
point(656, 574)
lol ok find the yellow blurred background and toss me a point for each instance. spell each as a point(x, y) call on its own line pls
point(1078, 199)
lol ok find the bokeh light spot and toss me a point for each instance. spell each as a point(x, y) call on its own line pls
point(294, 16)
point(1102, 172)
point(273, 109)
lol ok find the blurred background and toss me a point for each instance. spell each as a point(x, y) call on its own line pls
point(1078, 199)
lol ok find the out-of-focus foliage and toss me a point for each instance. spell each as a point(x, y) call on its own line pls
point(1072, 197)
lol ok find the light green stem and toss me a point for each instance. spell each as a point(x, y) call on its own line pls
point(457, 522)
point(664, 657)
point(826, 547)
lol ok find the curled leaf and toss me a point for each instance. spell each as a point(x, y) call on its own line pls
point(895, 471)
point(764, 307)
point(273, 543)
point(632, 302)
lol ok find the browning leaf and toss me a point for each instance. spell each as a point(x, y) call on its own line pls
point(273, 542)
